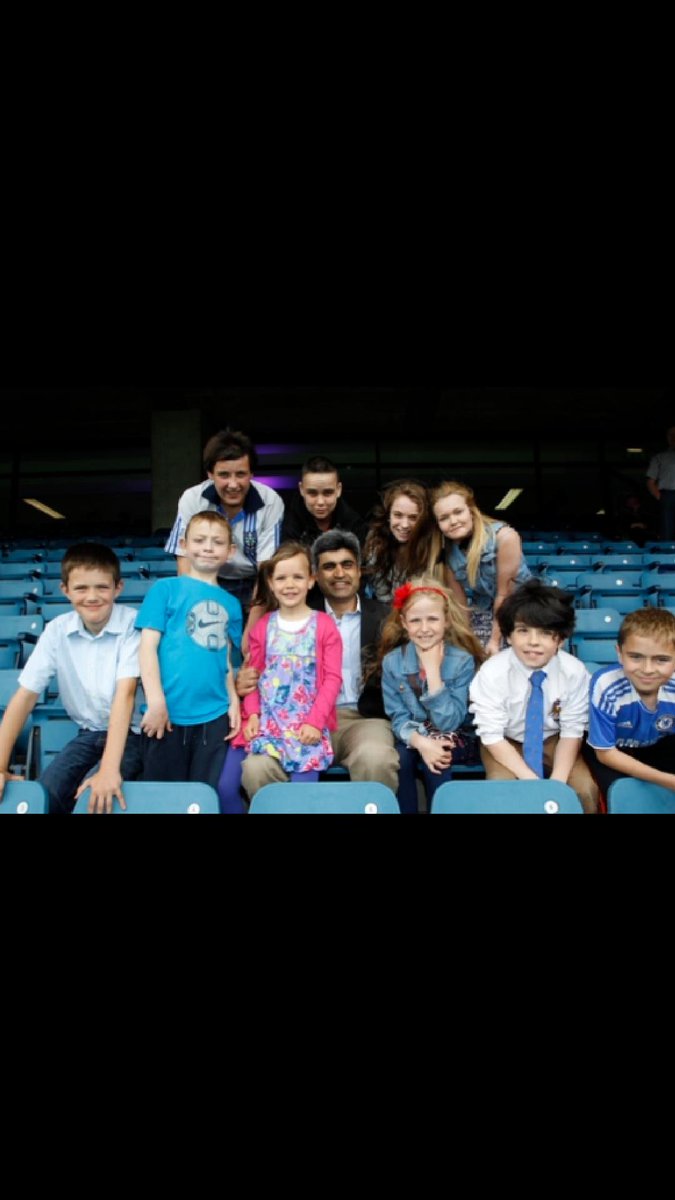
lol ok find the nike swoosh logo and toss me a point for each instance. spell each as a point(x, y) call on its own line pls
point(205, 624)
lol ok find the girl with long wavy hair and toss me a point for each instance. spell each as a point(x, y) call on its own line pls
point(428, 656)
point(403, 539)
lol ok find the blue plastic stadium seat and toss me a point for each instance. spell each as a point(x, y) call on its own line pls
point(24, 798)
point(151, 554)
point(565, 579)
point(663, 583)
point(662, 563)
point(161, 569)
point(161, 799)
point(600, 622)
point(634, 796)
point(23, 556)
point(50, 611)
point(494, 797)
point(565, 562)
point(13, 570)
point(623, 592)
point(535, 547)
point(617, 562)
point(18, 635)
point(581, 547)
point(135, 590)
point(50, 734)
point(324, 798)
point(594, 650)
point(20, 589)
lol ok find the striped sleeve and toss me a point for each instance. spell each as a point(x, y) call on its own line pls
point(175, 536)
point(269, 532)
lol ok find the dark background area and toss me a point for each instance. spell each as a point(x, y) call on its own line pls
point(85, 450)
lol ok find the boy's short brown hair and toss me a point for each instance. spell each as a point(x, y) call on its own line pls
point(92, 556)
point(212, 518)
point(655, 623)
point(229, 445)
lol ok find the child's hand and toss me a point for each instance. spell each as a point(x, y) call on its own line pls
point(247, 678)
point(156, 721)
point(437, 755)
point(105, 785)
point(6, 777)
point(309, 735)
point(252, 727)
point(432, 659)
point(234, 714)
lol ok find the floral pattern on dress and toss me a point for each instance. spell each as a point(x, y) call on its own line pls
point(288, 690)
point(481, 624)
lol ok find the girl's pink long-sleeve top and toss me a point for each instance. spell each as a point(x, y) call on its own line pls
point(323, 713)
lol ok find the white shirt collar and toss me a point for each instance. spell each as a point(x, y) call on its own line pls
point(355, 613)
point(551, 668)
point(115, 625)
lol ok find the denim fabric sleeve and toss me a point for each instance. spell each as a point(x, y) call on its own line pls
point(403, 722)
point(447, 708)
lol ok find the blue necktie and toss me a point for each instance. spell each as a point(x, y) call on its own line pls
point(533, 745)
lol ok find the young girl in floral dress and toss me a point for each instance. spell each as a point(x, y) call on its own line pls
point(287, 721)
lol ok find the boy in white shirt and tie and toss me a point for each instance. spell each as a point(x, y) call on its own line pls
point(530, 702)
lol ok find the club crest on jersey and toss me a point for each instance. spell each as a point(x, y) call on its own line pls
point(665, 724)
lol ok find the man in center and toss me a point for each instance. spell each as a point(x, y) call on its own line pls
point(363, 741)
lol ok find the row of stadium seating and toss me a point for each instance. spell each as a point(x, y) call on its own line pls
point(545, 798)
point(580, 546)
point(52, 570)
point(125, 554)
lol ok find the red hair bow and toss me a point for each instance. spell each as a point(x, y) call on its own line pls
point(401, 595)
point(404, 593)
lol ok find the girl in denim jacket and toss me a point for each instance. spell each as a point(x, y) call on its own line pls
point(483, 558)
point(429, 657)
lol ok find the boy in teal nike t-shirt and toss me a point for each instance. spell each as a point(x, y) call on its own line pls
point(188, 625)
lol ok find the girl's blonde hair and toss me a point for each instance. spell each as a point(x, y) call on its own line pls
point(458, 630)
point(482, 525)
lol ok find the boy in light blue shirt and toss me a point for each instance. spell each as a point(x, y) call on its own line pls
point(93, 652)
point(188, 625)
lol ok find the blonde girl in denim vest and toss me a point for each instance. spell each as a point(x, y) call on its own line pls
point(483, 558)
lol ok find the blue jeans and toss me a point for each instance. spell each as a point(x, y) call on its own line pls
point(410, 760)
point(64, 775)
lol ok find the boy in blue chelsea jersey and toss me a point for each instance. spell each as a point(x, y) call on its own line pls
point(632, 715)
point(188, 624)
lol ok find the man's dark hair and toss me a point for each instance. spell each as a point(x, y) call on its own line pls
point(538, 606)
point(93, 557)
point(228, 445)
point(335, 539)
point(319, 465)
